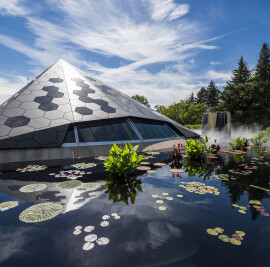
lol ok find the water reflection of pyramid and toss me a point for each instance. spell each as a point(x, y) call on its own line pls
point(44, 113)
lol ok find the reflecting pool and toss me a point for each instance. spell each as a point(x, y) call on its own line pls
point(73, 214)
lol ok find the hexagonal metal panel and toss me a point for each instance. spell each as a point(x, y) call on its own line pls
point(4, 130)
point(39, 123)
point(48, 106)
point(108, 109)
point(101, 102)
point(53, 115)
point(79, 93)
point(88, 90)
point(86, 99)
point(55, 94)
point(91, 79)
point(77, 80)
point(50, 89)
point(84, 111)
point(12, 112)
point(17, 121)
point(43, 99)
point(56, 80)
point(82, 84)
point(34, 113)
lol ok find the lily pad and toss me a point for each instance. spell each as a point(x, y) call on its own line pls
point(114, 214)
point(145, 163)
point(159, 201)
point(154, 196)
point(235, 205)
point(69, 184)
point(8, 205)
point(235, 242)
point(162, 208)
point(151, 171)
point(102, 241)
point(92, 186)
point(242, 211)
point(159, 164)
point(241, 233)
point(117, 217)
point(179, 195)
point(211, 231)
point(77, 232)
point(88, 246)
point(242, 207)
point(104, 223)
point(41, 212)
point(32, 188)
point(84, 165)
point(89, 229)
point(165, 194)
point(236, 236)
point(143, 168)
point(219, 230)
point(90, 238)
point(105, 217)
point(169, 198)
point(224, 238)
point(176, 170)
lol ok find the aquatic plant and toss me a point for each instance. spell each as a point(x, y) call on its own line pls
point(197, 150)
point(239, 144)
point(84, 165)
point(258, 139)
point(41, 212)
point(122, 161)
point(88, 246)
point(92, 186)
point(8, 205)
point(32, 168)
point(32, 188)
point(69, 184)
point(102, 241)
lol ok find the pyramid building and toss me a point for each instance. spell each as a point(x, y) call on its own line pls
point(65, 106)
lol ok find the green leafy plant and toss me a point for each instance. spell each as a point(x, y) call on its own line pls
point(259, 139)
point(239, 143)
point(197, 150)
point(122, 161)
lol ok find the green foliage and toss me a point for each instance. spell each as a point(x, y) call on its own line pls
point(212, 99)
point(194, 126)
point(197, 150)
point(202, 96)
point(241, 74)
point(122, 161)
point(123, 190)
point(259, 139)
point(263, 65)
point(183, 112)
point(239, 143)
point(267, 131)
point(141, 99)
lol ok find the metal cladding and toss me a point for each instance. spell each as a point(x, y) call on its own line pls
point(41, 112)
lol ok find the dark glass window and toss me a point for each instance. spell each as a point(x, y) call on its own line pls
point(70, 136)
point(106, 131)
point(153, 130)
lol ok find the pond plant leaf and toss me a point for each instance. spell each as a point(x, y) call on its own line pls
point(151, 171)
point(32, 188)
point(241, 233)
point(224, 238)
point(90, 238)
point(235, 242)
point(159, 164)
point(236, 236)
point(114, 214)
point(84, 165)
point(154, 196)
point(77, 232)
point(165, 194)
point(105, 217)
point(162, 208)
point(242, 211)
point(41, 212)
point(143, 168)
point(117, 217)
point(179, 195)
point(88, 246)
point(78, 227)
point(219, 230)
point(105, 223)
point(169, 198)
point(102, 241)
point(159, 201)
point(69, 184)
point(92, 186)
point(211, 231)
point(89, 229)
point(176, 170)
point(8, 205)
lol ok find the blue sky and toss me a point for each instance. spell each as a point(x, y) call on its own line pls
point(162, 49)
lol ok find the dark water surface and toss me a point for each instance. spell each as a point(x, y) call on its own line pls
point(143, 235)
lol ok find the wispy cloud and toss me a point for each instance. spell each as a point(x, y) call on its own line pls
point(142, 34)
point(13, 8)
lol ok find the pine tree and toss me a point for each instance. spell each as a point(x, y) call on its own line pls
point(241, 74)
point(192, 98)
point(202, 96)
point(213, 93)
point(263, 65)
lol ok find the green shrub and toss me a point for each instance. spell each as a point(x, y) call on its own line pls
point(122, 161)
point(239, 144)
point(194, 126)
point(259, 139)
point(197, 150)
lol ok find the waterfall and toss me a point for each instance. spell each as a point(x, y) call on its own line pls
point(221, 122)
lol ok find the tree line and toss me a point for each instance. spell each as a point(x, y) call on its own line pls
point(246, 96)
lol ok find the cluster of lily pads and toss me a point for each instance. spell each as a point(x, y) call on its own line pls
point(142, 167)
point(101, 158)
point(84, 165)
point(242, 209)
point(257, 204)
point(91, 186)
point(163, 197)
point(32, 168)
point(8, 205)
point(235, 239)
point(91, 238)
point(70, 174)
point(199, 188)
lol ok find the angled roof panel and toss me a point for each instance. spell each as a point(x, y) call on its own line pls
point(41, 112)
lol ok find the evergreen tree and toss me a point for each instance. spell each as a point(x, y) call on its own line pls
point(202, 96)
point(213, 93)
point(241, 74)
point(263, 65)
point(192, 98)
